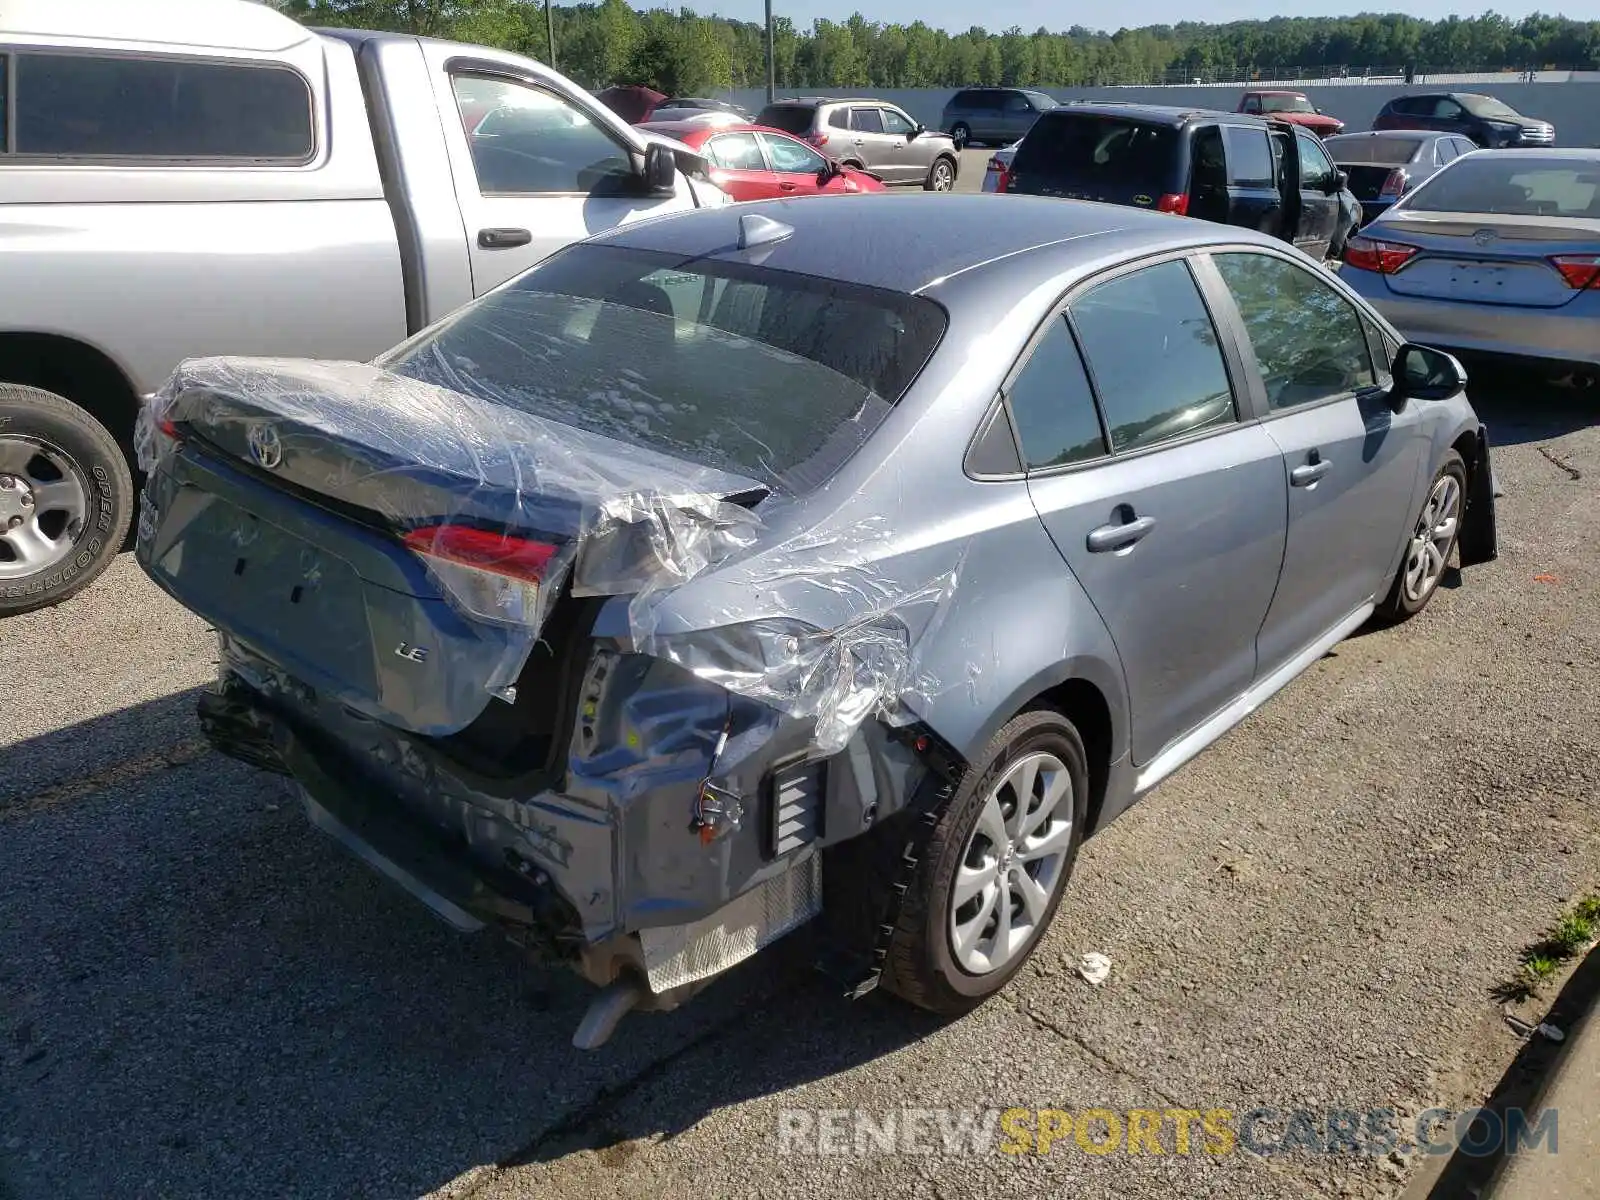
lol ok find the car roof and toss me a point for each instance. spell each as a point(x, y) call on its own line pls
point(1274, 92)
point(1156, 114)
point(909, 243)
point(818, 101)
point(214, 24)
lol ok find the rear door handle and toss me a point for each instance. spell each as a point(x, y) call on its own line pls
point(1119, 536)
point(1308, 473)
point(786, 187)
point(503, 239)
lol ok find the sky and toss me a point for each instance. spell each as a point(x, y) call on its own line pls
point(995, 15)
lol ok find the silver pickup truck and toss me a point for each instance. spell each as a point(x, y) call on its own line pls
point(204, 177)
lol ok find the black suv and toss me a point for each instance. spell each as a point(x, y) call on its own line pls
point(1218, 166)
point(1489, 122)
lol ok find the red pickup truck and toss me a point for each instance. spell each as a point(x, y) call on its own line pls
point(1292, 107)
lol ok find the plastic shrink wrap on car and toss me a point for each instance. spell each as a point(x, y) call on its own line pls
point(634, 522)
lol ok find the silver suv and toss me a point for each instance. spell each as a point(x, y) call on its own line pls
point(997, 116)
point(871, 135)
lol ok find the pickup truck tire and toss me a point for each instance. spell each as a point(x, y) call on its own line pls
point(926, 964)
point(66, 499)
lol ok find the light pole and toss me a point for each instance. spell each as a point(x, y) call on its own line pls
point(550, 32)
point(772, 66)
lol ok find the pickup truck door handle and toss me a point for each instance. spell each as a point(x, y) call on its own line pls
point(1119, 536)
point(1310, 471)
point(503, 239)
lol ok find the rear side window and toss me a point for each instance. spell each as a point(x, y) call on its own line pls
point(1106, 151)
point(1249, 156)
point(1154, 356)
point(866, 120)
point(82, 105)
point(1052, 408)
point(839, 118)
point(791, 118)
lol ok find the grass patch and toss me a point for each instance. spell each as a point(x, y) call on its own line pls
point(1572, 932)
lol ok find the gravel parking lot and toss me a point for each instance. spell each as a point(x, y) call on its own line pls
point(201, 996)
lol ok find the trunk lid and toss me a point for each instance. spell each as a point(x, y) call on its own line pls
point(1490, 258)
point(281, 513)
point(1367, 179)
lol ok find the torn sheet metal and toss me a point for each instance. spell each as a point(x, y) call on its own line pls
point(819, 629)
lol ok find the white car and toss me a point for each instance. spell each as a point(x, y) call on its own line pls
point(999, 168)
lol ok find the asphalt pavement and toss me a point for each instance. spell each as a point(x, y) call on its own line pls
point(200, 996)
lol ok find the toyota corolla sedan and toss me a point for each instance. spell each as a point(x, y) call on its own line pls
point(797, 563)
point(1498, 253)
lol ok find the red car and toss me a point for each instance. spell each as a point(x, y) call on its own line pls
point(1292, 107)
point(752, 162)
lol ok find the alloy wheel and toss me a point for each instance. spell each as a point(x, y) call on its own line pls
point(942, 179)
point(1433, 538)
point(44, 501)
point(1012, 865)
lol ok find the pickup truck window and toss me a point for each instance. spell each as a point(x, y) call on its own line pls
point(528, 141)
point(93, 106)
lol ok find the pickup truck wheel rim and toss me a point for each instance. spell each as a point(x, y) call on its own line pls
point(1434, 536)
point(43, 502)
point(1012, 865)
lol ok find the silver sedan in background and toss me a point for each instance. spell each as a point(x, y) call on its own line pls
point(1384, 165)
point(1498, 253)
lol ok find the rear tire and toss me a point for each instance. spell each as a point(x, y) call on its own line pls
point(1430, 546)
point(66, 499)
point(936, 958)
point(960, 134)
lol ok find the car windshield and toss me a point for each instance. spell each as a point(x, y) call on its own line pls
point(1110, 151)
point(775, 376)
point(791, 118)
point(1041, 101)
point(1488, 106)
point(1365, 149)
point(1286, 104)
point(1512, 184)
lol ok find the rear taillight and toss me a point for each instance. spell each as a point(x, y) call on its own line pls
point(1002, 174)
point(1369, 254)
point(167, 427)
point(1394, 185)
point(1174, 202)
point(491, 575)
point(819, 140)
point(1579, 270)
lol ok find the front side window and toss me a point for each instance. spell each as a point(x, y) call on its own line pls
point(866, 120)
point(1154, 357)
point(527, 141)
point(1316, 172)
point(1052, 408)
point(772, 375)
point(1309, 341)
point(1252, 104)
point(737, 152)
point(792, 157)
point(893, 122)
point(1249, 156)
point(94, 106)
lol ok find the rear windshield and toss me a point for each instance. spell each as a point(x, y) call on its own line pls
point(791, 118)
point(775, 376)
point(1097, 150)
point(1512, 184)
point(1373, 149)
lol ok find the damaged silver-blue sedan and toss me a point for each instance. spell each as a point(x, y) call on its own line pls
point(802, 562)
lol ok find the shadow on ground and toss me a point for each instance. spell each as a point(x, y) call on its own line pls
point(1521, 408)
point(195, 987)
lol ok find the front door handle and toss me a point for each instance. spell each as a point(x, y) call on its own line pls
point(1119, 536)
point(786, 187)
point(503, 239)
point(1308, 473)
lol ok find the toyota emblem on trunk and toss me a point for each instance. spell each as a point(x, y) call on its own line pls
point(265, 446)
point(1484, 236)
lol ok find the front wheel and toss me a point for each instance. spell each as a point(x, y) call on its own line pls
point(994, 869)
point(66, 499)
point(1433, 540)
point(941, 176)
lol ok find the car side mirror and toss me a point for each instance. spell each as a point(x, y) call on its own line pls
point(1341, 180)
point(829, 170)
point(1422, 373)
point(660, 170)
point(916, 132)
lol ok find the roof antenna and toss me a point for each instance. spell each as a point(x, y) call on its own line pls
point(756, 230)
